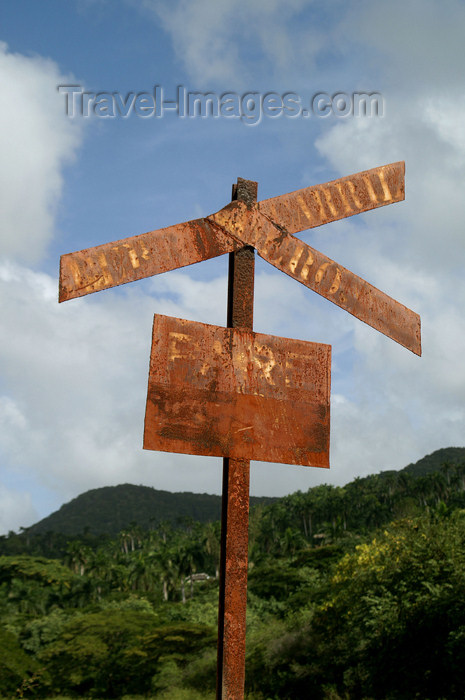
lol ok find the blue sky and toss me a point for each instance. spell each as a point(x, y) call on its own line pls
point(73, 376)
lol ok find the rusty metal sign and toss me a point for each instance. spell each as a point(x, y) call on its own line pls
point(147, 254)
point(229, 392)
point(268, 227)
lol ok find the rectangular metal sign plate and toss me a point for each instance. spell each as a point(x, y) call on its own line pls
point(229, 392)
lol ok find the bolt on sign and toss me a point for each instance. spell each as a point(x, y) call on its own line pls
point(232, 392)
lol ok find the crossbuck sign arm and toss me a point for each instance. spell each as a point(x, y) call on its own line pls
point(268, 227)
point(147, 254)
point(321, 274)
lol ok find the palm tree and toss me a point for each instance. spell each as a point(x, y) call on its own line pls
point(164, 556)
point(212, 544)
point(99, 569)
point(77, 555)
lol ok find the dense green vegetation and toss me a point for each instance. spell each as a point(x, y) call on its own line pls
point(354, 593)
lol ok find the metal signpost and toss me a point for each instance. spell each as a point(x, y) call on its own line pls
point(234, 393)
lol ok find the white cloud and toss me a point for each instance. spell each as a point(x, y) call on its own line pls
point(74, 382)
point(235, 43)
point(415, 251)
point(417, 52)
point(73, 398)
point(415, 42)
point(36, 140)
point(430, 140)
point(16, 510)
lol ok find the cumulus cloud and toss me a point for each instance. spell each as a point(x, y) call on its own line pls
point(417, 249)
point(37, 140)
point(74, 379)
point(430, 140)
point(416, 43)
point(233, 43)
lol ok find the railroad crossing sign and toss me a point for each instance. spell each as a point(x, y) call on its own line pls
point(267, 226)
point(232, 392)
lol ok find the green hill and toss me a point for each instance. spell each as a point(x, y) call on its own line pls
point(433, 462)
point(110, 509)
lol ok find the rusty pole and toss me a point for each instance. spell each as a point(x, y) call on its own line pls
point(235, 501)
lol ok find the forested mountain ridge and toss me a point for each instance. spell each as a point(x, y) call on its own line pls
point(110, 509)
point(434, 461)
